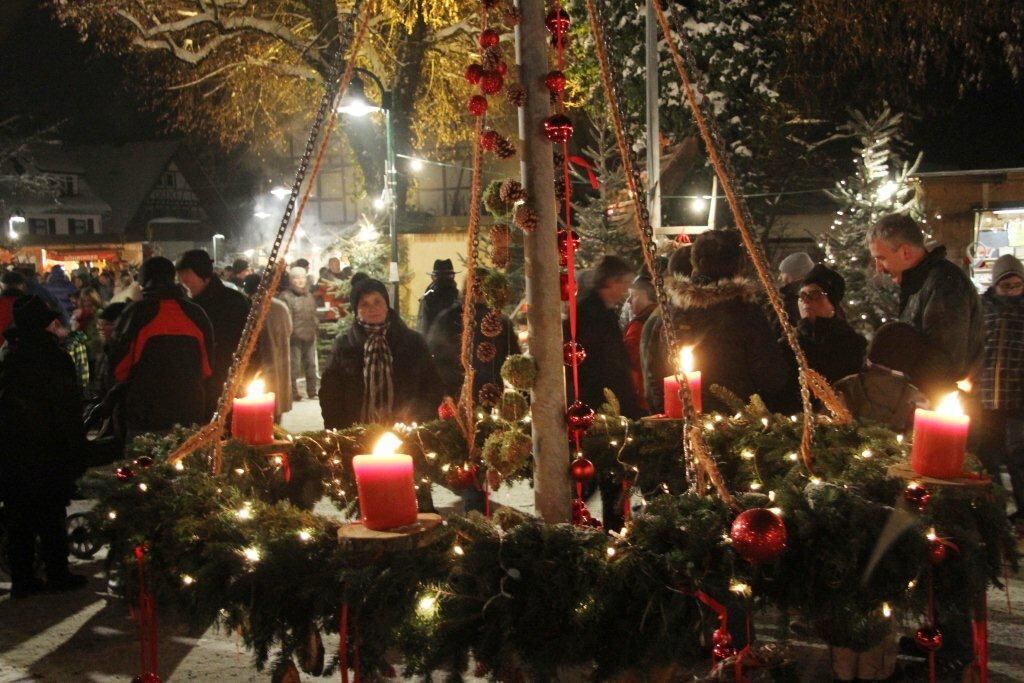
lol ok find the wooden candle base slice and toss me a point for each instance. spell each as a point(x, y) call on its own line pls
point(420, 534)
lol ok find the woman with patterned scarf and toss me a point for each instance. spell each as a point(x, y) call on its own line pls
point(380, 371)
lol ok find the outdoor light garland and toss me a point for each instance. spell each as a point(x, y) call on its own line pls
point(227, 547)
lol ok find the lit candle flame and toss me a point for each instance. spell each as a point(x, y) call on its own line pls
point(257, 387)
point(686, 359)
point(387, 444)
point(950, 405)
point(965, 386)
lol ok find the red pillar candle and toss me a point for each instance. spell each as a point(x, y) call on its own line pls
point(252, 416)
point(940, 439)
point(673, 404)
point(387, 495)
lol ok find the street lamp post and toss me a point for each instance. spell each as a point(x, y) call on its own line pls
point(216, 237)
point(15, 219)
point(355, 104)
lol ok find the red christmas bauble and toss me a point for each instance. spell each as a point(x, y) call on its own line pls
point(148, 677)
point(565, 285)
point(917, 496)
point(573, 351)
point(928, 638)
point(721, 637)
point(489, 38)
point(563, 242)
point(558, 128)
point(473, 73)
point(477, 105)
point(579, 417)
point(446, 411)
point(144, 461)
point(502, 68)
point(937, 551)
point(491, 82)
point(558, 21)
point(489, 140)
point(555, 80)
point(720, 653)
point(581, 469)
point(124, 473)
point(758, 535)
point(460, 478)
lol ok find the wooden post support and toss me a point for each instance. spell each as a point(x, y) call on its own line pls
point(552, 493)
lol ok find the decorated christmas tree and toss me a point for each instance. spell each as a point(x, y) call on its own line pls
point(879, 185)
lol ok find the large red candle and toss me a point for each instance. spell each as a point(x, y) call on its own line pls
point(940, 439)
point(252, 416)
point(387, 495)
point(673, 404)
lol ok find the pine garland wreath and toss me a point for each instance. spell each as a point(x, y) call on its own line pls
point(520, 371)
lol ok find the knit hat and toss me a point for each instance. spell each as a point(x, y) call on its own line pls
point(797, 265)
point(368, 286)
point(198, 261)
point(831, 282)
point(157, 271)
point(1006, 265)
point(717, 254)
point(32, 314)
point(297, 271)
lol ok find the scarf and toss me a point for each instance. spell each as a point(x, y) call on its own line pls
point(378, 390)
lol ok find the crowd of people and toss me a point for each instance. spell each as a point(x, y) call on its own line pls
point(151, 348)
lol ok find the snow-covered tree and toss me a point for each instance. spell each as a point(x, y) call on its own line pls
point(879, 185)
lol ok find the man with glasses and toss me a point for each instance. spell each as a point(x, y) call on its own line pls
point(936, 298)
point(832, 347)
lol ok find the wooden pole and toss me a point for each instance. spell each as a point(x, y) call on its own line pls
point(552, 492)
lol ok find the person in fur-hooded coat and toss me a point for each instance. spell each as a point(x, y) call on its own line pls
point(718, 312)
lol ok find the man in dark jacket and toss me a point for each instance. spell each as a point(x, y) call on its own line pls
point(445, 344)
point(719, 313)
point(1000, 381)
point(41, 447)
point(936, 298)
point(163, 350)
point(832, 347)
point(227, 310)
point(305, 324)
point(440, 294)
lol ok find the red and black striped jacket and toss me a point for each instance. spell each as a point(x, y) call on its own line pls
point(162, 350)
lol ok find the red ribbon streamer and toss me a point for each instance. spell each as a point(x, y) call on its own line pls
point(589, 167)
point(343, 646)
point(980, 627)
point(147, 621)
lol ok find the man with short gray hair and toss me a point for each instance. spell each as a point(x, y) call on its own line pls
point(936, 298)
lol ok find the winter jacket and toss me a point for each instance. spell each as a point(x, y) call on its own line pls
point(7, 299)
point(1000, 380)
point(273, 354)
point(607, 362)
point(940, 302)
point(633, 338)
point(734, 344)
point(61, 289)
point(416, 384)
point(438, 297)
point(878, 394)
point(832, 347)
point(654, 363)
point(42, 442)
point(163, 349)
point(445, 344)
point(304, 318)
point(227, 310)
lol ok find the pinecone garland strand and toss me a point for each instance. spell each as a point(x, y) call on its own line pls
point(516, 94)
point(489, 396)
point(491, 324)
point(512, 191)
point(486, 352)
point(525, 218)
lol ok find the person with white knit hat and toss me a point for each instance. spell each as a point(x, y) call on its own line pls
point(792, 271)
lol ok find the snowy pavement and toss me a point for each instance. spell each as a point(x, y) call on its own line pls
point(89, 635)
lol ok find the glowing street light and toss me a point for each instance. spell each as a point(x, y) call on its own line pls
point(354, 103)
point(281, 192)
point(415, 165)
point(698, 205)
point(216, 237)
point(15, 219)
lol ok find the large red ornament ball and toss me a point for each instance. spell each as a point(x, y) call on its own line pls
point(581, 469)
point(477, 105)
point(491, 82)
point(563, 243)
point(917, 496)
point(555, 81)
point(489, 140)
point(573, 352)
point(928, 638)
point(758, 535)
point(937, 551)
point(558, 128)
point(501, 68)
point(721, 637)
point(558, 21)
point(446, 411)
point(460, 478)
point(473, 73)
point(489, 38)
point(124, 473)
point(720, 653)
point(579, 417)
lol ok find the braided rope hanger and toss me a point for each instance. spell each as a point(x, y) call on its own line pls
point(213, 432)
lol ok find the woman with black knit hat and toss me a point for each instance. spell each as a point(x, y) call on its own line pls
point(380, 371)
point(832, 347)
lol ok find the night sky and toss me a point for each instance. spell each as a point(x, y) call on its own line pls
point(48, 76)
